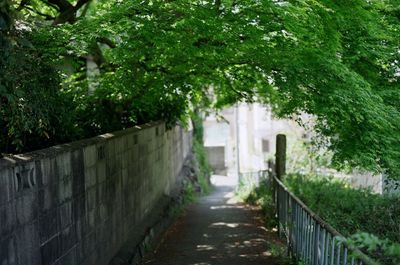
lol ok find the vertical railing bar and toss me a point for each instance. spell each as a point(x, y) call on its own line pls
point(339, 247)
point(301, 226)
point(333, 251)
point(294, 226)
point(278, 206)
point(310, 240)
point(345, 256)
point(308, 254)
point(327, 249)
point(323, 235)
point(298, 227)
point(352, 261)
point(316, 244)
point(287, 217)
point(291, 225)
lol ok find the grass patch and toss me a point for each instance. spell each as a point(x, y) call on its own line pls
point(204, 167)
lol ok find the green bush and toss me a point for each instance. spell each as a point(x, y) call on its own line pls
point(350, 210)
point(204, 166)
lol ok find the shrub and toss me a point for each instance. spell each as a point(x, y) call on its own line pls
point(350, 210)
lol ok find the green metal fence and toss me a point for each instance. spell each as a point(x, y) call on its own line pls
point(309, 238)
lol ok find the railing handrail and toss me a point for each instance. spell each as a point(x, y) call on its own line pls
point(360, 255)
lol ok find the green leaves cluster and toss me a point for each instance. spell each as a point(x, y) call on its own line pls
point(337, 60)
point(387, 251)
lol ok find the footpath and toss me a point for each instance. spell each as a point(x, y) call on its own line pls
point(216, 230)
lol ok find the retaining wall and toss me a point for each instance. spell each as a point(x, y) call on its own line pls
point(78, 203)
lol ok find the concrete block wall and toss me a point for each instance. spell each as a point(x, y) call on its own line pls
point(77, 203)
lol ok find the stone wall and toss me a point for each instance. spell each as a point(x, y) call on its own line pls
point(78, 203)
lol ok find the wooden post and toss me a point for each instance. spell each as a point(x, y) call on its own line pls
point(280, 170)
point(280, 156)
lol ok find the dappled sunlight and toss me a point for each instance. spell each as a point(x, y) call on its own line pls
point(107, 135)
point(223, 207)
point(220, 181)
point(265, 254)
point(218, 230)
point(230, 225)
point(205, 247)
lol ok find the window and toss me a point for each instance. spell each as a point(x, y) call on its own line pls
point(265, 145)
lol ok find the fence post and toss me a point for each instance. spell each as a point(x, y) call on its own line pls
point(280, 166)
point(280, 156)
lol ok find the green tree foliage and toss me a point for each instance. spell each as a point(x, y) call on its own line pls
point(338, 60)
point(33, 111)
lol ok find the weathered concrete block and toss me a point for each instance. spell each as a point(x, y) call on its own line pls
point(49, 225)
point(80, 230)
point(90, 177)
point(78, 173)
point(103, 212)
point(50, 251)
point(64, 167)
point(65, 189)
point(48, 198)
point(65, 214)
point(102, 192)
point(124, 176)
point(68, 239)
point(101, 171)
point(27, 244)
point(79, 208)
point(49, 171)
point(25, 178)
point(121, 145)
point(70, 258)
point(89, 244)
point(110, 149)
point(143, 149)
point(6, 185)
point(151, 145)
point(7, 219)
point(91, 219)
point(90, 156)
point(130, 140)
point(135, 153)
point(91, 198)
point(8, 255)
point(26, 208)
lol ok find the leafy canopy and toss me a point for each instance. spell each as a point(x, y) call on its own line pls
point(338, 60)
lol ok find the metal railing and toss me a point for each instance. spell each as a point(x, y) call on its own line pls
point(308, 237)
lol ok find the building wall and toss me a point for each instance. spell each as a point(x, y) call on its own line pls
point(242, 132)
point(78, 203)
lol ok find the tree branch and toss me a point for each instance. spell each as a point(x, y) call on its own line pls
point(63, 5)
point(22, 5)
point(106, 41)
point(68, 14)
point(48, 17)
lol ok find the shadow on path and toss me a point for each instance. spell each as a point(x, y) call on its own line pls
point(215, 230)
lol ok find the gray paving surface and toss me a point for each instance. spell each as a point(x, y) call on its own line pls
point(215, 230)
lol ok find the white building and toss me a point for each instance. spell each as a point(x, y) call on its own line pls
point(242, 139)
point(246, 134)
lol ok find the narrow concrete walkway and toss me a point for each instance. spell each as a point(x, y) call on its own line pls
point(215, 230)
